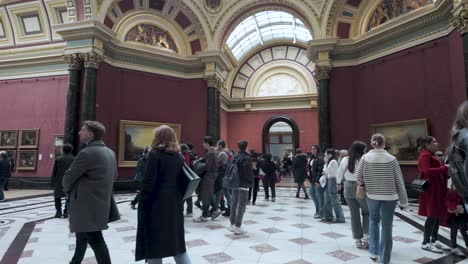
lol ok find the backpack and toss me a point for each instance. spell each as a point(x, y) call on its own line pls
point(231, 178)
point(457, 172)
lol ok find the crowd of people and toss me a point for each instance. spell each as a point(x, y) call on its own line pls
point(371, 183)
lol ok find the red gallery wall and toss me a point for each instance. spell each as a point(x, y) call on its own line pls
point(249, 126)
point(37, 103)
point(132, 95)
point(426, 81)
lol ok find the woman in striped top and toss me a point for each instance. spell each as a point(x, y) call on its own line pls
point(382, 178)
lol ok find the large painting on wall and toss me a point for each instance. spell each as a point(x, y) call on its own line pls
point(134, 136)
point(27, 160)
point(401, 138)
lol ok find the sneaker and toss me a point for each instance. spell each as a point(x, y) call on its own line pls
point(273, 199)
point(365, 242)
point(132, 206)
point(239, 231)
point(359, 244)
point(227, 212)
point(65, 215)
point(4, 200)
point(58, 214)
point(215, 215)
point(253, 203)
point(189, 215)
point(267, 199)
point(248, 202)
point(197, 204)
point(200, 219)
point(431, 248)
point(231, 228)
point(441, 246)
point(373, 257)
point(317, 216)
point(457, 252)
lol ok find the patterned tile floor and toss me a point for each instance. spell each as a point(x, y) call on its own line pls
point(281, 232)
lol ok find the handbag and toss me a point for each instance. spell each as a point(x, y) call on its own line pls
point(277, 177)
point(419, 185)
point(190, 182)
point(361, 191)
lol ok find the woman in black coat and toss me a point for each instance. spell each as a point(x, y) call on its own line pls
point(300, 172)
point(160, 231)
point(269, 167)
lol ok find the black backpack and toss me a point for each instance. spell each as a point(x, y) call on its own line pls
point(457, 172)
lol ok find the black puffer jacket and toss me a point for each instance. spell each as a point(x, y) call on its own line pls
point(5, 169)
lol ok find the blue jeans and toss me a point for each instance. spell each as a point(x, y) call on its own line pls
point(332, 202)
point(380, 241)
point(179, 259)
point(315, 197)
point(228, 196)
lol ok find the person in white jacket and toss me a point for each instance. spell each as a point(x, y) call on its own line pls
point(357, 206)
point(381, 175)
point(332, 203)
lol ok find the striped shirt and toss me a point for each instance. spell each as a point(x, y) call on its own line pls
point(382, 177)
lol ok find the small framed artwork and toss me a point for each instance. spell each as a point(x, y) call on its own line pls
point(58, 144)
point(8, 139)
point(401, 138)
point(28, 138)
point(27, 160)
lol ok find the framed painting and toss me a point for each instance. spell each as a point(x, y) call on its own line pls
point(28, 138)
point(57, 145)
point(8, 139)
point(27, 160)
point(401, 138)
point(134, 136)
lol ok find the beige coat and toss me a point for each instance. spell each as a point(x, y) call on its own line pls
point(89, 183)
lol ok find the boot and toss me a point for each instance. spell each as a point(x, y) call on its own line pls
point(227, 212)
point(58, 214)
point(297, 195)
point(306, 197)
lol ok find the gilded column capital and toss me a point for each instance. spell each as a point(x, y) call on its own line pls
point(460, 21)
point(323, 72)
point(213, 81)
point(73, 60)
point(91, 59)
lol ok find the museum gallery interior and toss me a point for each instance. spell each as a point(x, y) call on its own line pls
point(281, 74)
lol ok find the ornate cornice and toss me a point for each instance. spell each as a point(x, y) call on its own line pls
point(73, 61)
point(91, 59)
point(322, 72)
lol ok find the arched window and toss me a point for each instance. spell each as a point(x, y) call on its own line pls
point(263, 27)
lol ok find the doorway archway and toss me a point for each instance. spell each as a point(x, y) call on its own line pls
point(280, 135)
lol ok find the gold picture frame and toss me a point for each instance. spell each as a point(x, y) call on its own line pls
point(134, 136)
point(57, 145)
point(28, 138)
point(8, 139)
point(27, 160)
point(401, 138)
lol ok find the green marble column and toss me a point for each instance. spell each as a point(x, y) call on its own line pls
point(213, 119)
point(91, 64)
point(322, 73)
point(72, 111)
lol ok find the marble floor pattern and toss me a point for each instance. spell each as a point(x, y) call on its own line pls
point(280, 232)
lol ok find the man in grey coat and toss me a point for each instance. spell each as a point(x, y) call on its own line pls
point(88, 184)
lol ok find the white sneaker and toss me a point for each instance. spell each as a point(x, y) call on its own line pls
point(200, 219)
point(431, 248)
point(365, 242)
point(373, 257)
point(441, 246)
point(231, 228)
point(239, 231)
point(359, 243)
point(457, 252)
point(215, 214)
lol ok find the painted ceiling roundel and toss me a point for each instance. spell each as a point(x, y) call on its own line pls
point(151, 35)
point(390, 9)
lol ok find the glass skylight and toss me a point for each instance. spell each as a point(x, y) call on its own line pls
point(263, 27)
